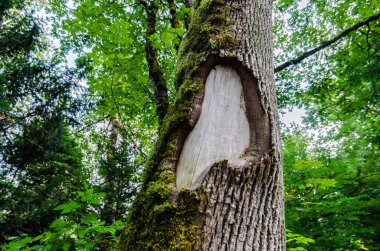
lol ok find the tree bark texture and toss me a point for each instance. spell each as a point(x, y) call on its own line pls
point(243, 205)
point(236, 204)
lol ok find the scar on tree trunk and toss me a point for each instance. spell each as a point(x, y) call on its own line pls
point(225, 125)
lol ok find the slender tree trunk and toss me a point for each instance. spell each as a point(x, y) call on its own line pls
point(109, 210)
point(214, 181)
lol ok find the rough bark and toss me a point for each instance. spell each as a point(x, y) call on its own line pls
point(243, 206)
point(238, 203)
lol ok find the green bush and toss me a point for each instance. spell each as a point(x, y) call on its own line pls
point(77, 228)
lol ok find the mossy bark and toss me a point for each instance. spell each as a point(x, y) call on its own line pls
point(239, 204)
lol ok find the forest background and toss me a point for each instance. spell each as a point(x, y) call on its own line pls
point(75, 136)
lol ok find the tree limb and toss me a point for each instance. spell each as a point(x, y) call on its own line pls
point(173, 14)
point(327, 43)
point(156, 75)
point(143, 3)
point(91, 124)
point(188, 4)
point(174, 19)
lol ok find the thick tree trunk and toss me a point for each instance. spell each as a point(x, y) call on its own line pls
point(214, 181)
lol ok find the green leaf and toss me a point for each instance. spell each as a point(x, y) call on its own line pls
point(69, 207)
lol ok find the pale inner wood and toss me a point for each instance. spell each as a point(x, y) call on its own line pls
point(222, 131)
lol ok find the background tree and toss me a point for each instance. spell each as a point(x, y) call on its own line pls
point(40, 162)
point(325, 197)
point(119, 171)
point(338, 90)
point(47, 171)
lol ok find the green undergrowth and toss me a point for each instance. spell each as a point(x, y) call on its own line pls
point(162, 218)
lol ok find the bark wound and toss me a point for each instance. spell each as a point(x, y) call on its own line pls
point(231, 124)
point(222, 131)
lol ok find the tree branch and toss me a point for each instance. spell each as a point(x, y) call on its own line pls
point(188, 4)
point(91, 124)
point(143, 3)
point(174, 18)
point(173, 14)
point(156, 75)
point(325, 44)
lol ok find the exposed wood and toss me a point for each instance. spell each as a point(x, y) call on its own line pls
point(327, 43)
point(222, 131)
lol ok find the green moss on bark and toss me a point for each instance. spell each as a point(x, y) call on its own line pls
point(209, 33)
point(159, 223)
point(161, 218)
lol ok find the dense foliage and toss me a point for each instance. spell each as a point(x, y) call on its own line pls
point(92, 125)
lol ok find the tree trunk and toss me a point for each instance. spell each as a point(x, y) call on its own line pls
point(214, 181)
point(110, 169)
